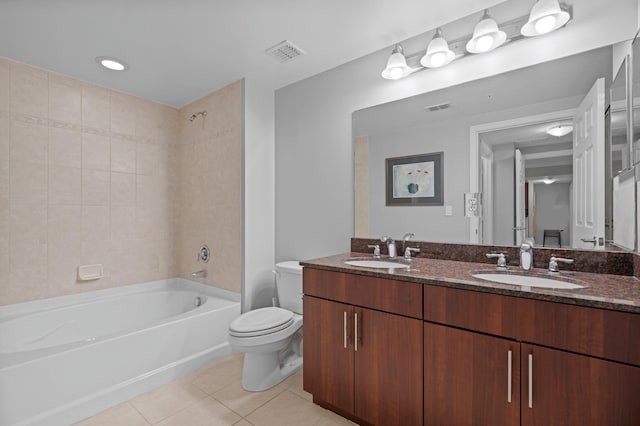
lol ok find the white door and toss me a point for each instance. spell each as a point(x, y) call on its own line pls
point(520, 226)
point(588, 171)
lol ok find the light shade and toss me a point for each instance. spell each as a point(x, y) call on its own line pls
point(112, 64)
point(438, 53)
point(545, 16)
point(486, 35)
point(396, 65)
point(560, 130)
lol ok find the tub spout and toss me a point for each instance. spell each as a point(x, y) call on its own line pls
point(202, 273)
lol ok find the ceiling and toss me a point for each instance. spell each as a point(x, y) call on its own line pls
point(181, 50)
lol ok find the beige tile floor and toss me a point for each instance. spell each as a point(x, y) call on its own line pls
point(214, 396)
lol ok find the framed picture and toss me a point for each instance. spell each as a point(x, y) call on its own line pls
point(415, 180)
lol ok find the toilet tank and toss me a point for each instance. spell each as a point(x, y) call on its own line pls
point(289, 285)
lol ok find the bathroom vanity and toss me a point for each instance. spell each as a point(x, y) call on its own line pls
point(433, 345)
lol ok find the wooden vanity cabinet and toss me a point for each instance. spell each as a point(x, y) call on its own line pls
point(363, 346)
point(470, 378)
point(466, 365)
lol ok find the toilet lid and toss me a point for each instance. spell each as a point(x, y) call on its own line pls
point(261, 321)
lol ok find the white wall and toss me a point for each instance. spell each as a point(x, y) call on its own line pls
point(503, 194)
point(552, 211)
point(259, 212)
point(314, 154)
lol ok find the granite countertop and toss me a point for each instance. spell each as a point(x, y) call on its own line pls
point(614, 292)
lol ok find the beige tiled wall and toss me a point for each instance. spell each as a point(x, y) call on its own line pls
point(210, 190)
point(87, 175)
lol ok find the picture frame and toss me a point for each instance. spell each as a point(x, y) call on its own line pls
point(415, 180)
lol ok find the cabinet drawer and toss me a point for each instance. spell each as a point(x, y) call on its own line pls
point(398, 297)
point(597, 332)
point(472, 310)
point(590, 331)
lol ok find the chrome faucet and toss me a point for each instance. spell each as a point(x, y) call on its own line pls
point(202, 273)
point(502, 260)
point(391, 246)
point(408, 251)
point(526, 256)
point(376, 250)
point(405, 238)
point(553, 263)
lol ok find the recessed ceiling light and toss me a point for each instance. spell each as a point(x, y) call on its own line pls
point(112, 64)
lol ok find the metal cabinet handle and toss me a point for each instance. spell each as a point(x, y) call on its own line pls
point(509, 374)
point(345, 330)
point(356, 331)
point(530, 380)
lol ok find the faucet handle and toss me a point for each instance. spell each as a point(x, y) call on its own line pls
point(553, 263)
point(376, 250)
point(408, 250)
point(502, 261)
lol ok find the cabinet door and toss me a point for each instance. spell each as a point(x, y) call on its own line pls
point(563, 388)
point(470, 378)
point(388, 368)
point(328, 352)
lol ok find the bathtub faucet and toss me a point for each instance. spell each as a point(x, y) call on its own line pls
point(202, 273)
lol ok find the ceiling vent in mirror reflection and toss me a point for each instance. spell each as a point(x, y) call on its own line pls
point(438, 107)
point(285, 51)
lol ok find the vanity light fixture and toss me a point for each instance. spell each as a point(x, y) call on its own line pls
point(396, 65)
point(486, 35)
point(545, 16)
point(560, 130)
point(112, 64)
point(438, 53)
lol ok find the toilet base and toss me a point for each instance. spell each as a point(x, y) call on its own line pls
point(262, 371)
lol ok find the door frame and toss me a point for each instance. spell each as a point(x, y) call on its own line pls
point(475, 230)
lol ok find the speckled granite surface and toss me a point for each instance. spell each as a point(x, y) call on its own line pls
point(601, 262)
point(607, 291)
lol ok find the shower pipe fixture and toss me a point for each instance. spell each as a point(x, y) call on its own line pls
point(546, 16)
point(194, 116)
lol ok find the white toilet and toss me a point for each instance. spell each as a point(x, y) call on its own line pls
point(271, 338)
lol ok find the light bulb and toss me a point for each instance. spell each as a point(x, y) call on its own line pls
point(484, 43)
point(438, 59)
point(545, 24)
point(395, 73)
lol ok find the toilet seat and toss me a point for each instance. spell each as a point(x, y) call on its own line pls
point(260, 322)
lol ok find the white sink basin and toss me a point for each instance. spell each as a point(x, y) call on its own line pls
point(376, 264)
point(527, 281)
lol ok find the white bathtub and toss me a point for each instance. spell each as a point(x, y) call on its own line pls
point(66, 358)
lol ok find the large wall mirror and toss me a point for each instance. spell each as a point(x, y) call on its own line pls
point(525, 115)
point(635, 96)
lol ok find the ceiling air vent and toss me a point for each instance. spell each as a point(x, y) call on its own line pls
point(285, 51)
point(438, 107)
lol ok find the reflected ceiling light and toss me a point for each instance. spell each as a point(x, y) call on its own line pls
point(545, 16)
point(396, 65)
point(486, 35)
point(548, 180)
point(438, 53)
point(560, 130)
point(112, 64)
